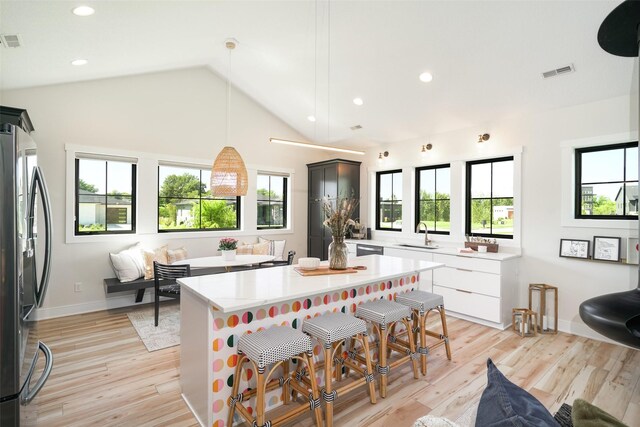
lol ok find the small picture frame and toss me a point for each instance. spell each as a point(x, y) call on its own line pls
point(606, 248)
point(571, 248)
point(632, 250)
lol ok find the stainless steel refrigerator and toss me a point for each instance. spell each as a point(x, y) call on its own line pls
point(25, 262)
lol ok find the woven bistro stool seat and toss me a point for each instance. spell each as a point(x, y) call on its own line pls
point(271, 348)
point(422, 303)
point(332, 330)
point(383, 315)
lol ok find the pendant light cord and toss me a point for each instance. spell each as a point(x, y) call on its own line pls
point(229, 99)
point(328, 71)
point(315, 73)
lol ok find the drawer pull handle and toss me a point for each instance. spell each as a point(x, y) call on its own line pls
point(466, 292)
point(464, 269)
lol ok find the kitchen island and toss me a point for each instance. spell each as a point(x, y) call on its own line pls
point(217, 310)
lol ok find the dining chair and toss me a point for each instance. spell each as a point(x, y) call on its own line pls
point(288, 261)
point(165, 284)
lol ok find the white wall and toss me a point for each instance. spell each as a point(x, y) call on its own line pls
point(180, 113)
point(543, 192)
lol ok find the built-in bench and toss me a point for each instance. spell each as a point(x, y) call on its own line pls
point(113, 285)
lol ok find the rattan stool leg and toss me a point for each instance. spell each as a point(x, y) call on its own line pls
point(382, 359)
point(260, 397)
point(445, 331)
point(308, 358)
point(234, 390)
point(286, 388)
point(423, 341)
point(328, 379)
point(412, 348)
point(367, 357)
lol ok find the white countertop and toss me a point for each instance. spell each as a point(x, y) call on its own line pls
point(241, 290)
point(444, 250)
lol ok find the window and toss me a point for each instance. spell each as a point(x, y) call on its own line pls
point(607, 182)
point(490, 211)
point(433, 188)
point(105, 196)
point(185, 202)
point(272, 201)
point(389, 200)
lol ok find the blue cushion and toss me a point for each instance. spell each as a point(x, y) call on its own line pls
point(504, 404)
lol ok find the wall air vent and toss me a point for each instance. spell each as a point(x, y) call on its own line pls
point(558, 71)
point(356, 127)
point(10, 40)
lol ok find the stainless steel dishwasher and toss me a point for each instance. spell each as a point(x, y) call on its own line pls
point(369, 250)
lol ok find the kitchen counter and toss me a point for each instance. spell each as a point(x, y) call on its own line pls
point(445, 250)
point(217, 310)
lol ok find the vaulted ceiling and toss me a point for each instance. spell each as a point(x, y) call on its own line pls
point(486, 57)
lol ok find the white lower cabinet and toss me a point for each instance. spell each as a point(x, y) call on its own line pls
point(480, 290)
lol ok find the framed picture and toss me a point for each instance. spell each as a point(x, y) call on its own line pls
point(574, 248)
point(632, 250)
point(606, 248)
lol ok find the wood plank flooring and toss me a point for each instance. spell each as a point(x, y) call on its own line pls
point(103, 375)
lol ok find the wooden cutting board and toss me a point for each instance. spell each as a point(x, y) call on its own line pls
point(323, 271)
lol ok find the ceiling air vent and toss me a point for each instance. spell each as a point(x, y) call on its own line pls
point(10, 40)
point(356, 127)
point(562, 70)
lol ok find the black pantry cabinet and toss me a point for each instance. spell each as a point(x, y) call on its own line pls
point(328, 179)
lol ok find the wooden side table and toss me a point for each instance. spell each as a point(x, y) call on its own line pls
point(544, 323)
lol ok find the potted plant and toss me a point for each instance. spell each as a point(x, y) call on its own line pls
point(227, 248)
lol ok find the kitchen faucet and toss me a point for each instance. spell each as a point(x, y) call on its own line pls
point(427, 242)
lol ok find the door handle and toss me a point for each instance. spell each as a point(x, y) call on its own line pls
point(464, 269)
point(30, 393)
point(463, 291)
point(39, 182)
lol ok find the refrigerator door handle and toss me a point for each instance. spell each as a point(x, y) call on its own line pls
point(30, 393)
point(38, 179)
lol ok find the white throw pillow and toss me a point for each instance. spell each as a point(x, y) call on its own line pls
point(128, 264)
point(276, 248)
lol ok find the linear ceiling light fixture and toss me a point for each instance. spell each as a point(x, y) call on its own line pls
point(316, 146)
point(229, 174)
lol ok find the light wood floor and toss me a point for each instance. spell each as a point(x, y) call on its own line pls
point(103, 375)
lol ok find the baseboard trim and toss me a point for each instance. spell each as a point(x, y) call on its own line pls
point(582, 330)
point(88, 307)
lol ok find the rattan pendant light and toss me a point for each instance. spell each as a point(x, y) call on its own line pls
point(229, 174)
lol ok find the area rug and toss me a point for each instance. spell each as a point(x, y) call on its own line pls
point(166, 334)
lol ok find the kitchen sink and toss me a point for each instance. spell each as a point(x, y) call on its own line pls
point(407, 245)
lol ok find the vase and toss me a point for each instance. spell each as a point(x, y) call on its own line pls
point(338, 254)
point(228, 255)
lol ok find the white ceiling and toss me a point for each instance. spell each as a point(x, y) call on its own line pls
point(486, 56)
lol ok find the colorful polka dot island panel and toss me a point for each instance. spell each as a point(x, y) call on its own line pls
point(229, 327)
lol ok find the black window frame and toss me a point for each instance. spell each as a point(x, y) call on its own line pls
point(76, 226)
point(378, 175)
point(285, 204)
point(418, 200)
point(200, 199)
point(577, 198)
point(468, 198)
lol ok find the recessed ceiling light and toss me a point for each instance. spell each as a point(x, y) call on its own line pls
point(358, 101)
point(83, 11)
point(426, 77)
point(79, 62)
point(311, 118)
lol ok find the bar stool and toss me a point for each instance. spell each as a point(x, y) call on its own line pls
point(274, 346)
point(382, 314)
point(332, 330)
point(422, 303)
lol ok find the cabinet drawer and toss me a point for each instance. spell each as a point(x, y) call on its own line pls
point(471, 304)
point(403, 253)
point(467, 280)
point(468, 263)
